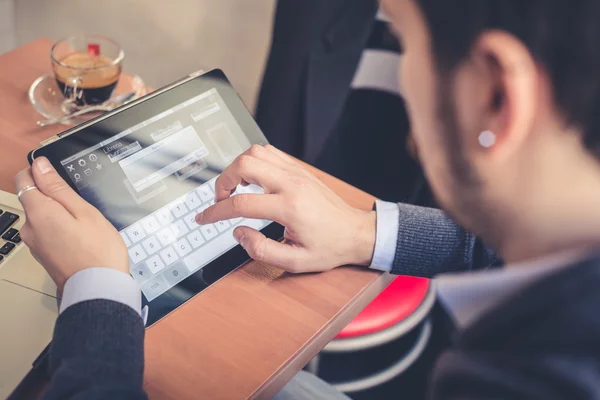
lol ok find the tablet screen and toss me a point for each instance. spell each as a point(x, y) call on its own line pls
point(151, 179)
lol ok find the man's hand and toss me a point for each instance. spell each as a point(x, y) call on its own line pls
point(321, 230)
point(64, 232)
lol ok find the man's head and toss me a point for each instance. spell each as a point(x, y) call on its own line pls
point(528, 71)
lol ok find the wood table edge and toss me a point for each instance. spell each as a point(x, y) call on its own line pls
point(296, 362)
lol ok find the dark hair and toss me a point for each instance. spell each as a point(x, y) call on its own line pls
point(562, 35)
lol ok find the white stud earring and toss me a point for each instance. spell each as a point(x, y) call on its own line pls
point(487, 139)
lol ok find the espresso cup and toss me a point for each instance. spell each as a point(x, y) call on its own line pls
point(87, 68)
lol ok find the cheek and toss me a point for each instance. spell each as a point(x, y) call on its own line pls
point(419, 90)
point(416, 89)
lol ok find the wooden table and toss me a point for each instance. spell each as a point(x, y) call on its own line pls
point(245, 336)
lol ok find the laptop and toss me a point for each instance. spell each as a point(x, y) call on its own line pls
point(28, 304)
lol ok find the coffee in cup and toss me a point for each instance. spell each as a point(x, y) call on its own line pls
point(86, 68)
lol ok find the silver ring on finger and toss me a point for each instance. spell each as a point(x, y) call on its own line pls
point(25, 190)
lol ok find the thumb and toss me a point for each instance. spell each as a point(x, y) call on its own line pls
point(50, 183)
point(261, 248)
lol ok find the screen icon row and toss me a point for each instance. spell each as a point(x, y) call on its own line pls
point(82, 162)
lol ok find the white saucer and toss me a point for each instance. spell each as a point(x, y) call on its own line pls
point(47, 99)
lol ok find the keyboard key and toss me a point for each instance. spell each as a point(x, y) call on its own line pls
point(203, 207)
point(179, 228)
point(211, 184)
point(190, 220)
point(154, 287)
point(10, 234)
point(155, 264)
point(254, 189)
point(168, 255)
point(209, 231)
point(182, 247)
point(206, 193)
point(140, 273)
point(166, 236)
point(7, 220)
point(137, 254)
point(196, 239)
point(135, 233)
point(235, 221)
point(176, 274)
point(164, 216)
point(239, 189)
point(257, 224)
point(7, 248)
point(151, 245)
point(125, 238)
point(222, 226)
point(192, 201)
point(201, 257)
point(179, 209)
point(150, 224)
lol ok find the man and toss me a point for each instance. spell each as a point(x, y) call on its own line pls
point(504, 123)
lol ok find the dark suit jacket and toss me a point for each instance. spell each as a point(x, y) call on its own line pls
point(97, 352)
point(305, 109)
point(315, 51)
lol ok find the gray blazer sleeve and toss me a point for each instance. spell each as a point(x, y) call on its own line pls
point(430, 243)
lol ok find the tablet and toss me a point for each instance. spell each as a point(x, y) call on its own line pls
point(150, 167)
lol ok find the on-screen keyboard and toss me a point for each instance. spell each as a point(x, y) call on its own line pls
point(168, 245)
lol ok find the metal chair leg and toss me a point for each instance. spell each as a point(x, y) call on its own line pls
point(393, 371)
point(313, 366)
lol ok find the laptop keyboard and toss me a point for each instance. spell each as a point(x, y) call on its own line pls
point(10, 237)
point(168, 245)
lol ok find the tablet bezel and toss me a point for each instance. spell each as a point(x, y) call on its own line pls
point(79, 138)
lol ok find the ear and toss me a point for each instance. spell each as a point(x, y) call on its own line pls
point(500, 88)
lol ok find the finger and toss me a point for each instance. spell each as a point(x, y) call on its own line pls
point(266, 154)
point(27, 234)
point(54, 186)
point(261, 248)
point(249, 169)
point(256, 206)
point(285, 157)
point(32, 198)
point(292, 164)
point(29, 239)
point(262, 153)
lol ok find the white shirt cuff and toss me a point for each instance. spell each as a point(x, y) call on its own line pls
point(101, 283)
point(386, 239)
